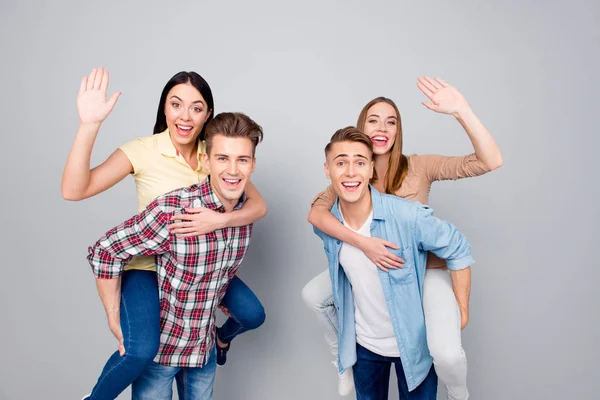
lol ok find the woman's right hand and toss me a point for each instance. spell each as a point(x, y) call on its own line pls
point(92, 105)
point(377, 251)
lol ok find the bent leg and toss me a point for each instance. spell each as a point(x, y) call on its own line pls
point(246, 311)
point(318, 296)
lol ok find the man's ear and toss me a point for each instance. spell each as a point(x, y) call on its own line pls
point(206, 162)
point(372, 169)
point(253, 164)
point(326, 168)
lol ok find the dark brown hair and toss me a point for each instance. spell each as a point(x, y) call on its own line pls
point(398, 163)
point(349, 134)
point(233, 124)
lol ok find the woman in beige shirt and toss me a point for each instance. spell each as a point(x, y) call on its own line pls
point(446, 309)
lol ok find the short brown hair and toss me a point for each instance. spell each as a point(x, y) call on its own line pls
point(349, 134)
point(233, 124)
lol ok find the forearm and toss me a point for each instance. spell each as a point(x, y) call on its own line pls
point(485, 146)
point(461, 285)
point(254, 209)
point(110, 294)
point(76, 175)
point(322, 219)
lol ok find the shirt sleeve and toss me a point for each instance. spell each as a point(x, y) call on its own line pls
point(137, 153)
point(325, 198)
point(144, 234)
point(442, 239)
point(441, 168)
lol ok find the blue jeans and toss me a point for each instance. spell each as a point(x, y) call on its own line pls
point(140, 316)
point(156, 382)
point(372, 378)
point(246, 311)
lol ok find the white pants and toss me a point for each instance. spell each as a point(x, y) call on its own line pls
point(442, 318)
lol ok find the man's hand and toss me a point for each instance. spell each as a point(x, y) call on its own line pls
point(115, 328)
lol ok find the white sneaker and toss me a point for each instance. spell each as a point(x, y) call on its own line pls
point(87, 396)
point(345, 381)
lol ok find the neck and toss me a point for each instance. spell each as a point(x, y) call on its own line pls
point(381, 166)
point(227, 204)
point(355, 214)
point(187, 151)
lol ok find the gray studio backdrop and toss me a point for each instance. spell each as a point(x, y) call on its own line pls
point(302, 70)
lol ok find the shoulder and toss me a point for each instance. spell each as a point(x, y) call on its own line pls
point(139, 145)
point(177, 199)
point(403, 208)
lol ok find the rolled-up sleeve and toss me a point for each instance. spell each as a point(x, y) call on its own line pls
point(144, 234)
point(441, 168)
point(326, 198)
point(442, 239)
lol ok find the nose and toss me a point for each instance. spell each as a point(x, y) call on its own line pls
point(382, 126)
point(232, 169)
point(185, 114)
point(351, 171)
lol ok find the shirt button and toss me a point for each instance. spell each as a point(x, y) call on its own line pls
point(338, 242)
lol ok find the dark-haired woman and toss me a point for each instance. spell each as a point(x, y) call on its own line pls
point(167, 160)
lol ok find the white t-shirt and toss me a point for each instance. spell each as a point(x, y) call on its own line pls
point(374, 329)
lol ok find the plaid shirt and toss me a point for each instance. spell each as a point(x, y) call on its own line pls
point(193, 272)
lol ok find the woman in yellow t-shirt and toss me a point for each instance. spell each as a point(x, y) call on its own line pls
point(168, 160)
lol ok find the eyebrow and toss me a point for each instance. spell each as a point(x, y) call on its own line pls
point(194, 102)
point(377, 115)
point(346, 155)
point(227, 155)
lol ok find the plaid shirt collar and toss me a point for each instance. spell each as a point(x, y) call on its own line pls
point(208, 197)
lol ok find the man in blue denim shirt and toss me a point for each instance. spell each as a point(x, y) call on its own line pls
point(380, 314)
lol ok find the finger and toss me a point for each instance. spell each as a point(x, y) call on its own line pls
point(428, 85)
point(104, 84)
point(196, 210)
point(90, 81)
point(121, 350)
point(113, 99)
point(381, 267)
point(433, 83)
point(425, 91)
point(391, 263)
point(98, 79)
point(182, 217)
point(182, 231)
point(442, 82)
point(391, 245)
point(83, 84)
point(429, 105)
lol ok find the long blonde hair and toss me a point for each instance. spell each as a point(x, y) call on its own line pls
point(398, 163)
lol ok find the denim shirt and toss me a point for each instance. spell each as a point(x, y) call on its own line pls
point(413, 227)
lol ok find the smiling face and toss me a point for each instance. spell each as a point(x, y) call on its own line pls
point(381, 125)
point(230, 164)
point(185, 112)
point(349, 165)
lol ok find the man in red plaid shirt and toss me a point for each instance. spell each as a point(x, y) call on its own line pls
point(193, 272)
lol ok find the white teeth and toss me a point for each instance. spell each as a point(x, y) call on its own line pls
point(379, 138)
point(231, 180)
point(185, 128)
point(351, 184)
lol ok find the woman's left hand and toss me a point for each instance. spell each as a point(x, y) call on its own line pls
point(445, 99)
point(200, 221)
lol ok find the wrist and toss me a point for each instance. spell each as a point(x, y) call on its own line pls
point(463, 114)
point(92, 127)
point(225, 220)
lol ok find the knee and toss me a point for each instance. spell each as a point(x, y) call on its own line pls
point(254, 317)
point(311, 295)
point(448, 357)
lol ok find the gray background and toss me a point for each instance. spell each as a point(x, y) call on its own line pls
point(302, 70)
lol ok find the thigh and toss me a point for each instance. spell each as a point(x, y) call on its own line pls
point(197, 383)
point(442, 316)
point(427, 390)
point(241, 301)
point(371, 375)
point(155, 383)
point(318, 292)
point(140, 313)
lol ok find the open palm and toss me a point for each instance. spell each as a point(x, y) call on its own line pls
point(445, 99)
point(91, 100)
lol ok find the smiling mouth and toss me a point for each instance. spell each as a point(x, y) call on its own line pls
point(231, 183)
point(184, 130)
point(379, 141)
point(351, 186)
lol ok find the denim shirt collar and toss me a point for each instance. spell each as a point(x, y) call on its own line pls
point(378, 209)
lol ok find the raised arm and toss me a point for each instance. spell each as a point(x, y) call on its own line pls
point(375, 249)
point(79, 181)
point(201, 221)
point(446, 99)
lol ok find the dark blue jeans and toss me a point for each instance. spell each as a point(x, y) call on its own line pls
point(140, 324)
point(140, 319)
point(246, 311)
point(372, 378)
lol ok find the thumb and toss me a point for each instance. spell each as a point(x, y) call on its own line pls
point(429, 105)
point(113, 99)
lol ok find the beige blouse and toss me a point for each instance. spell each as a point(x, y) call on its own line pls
point(422, 171)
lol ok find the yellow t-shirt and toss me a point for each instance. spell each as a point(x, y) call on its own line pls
point(158, 168)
